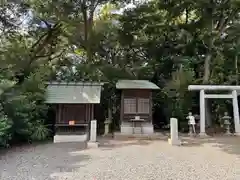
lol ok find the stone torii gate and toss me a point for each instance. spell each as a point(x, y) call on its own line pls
point(233, 95)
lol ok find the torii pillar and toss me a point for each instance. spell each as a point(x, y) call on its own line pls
point(236, 112)
point(202, 114)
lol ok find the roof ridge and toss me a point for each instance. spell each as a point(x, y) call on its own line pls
point(72, 83)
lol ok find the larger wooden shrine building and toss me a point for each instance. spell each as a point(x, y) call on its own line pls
point(136, 106)
point(74, 107)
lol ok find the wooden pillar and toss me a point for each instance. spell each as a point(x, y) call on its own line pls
point(92, 112)
point(88, 108)
point(136, 101)
point(89, 112)
point(86, 113)
point(150, 107)
point(56, 113)
point(122, 107)
point(59, 113)
point(87, 121)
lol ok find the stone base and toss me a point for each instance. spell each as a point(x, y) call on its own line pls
point(228, 134)
point(237, 129)
point(69, 138)
point(92, 145)
point(154, 136)
point(175, 142)
point(127, 129)
point(203, 135)
point(236, 134)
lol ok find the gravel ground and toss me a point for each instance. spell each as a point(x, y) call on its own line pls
point(124, 160)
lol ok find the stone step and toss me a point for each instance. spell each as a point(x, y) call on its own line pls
point(137, 130)
point(155, 136)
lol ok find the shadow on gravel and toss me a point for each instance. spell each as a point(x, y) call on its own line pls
point(230, 145)
point(67, 159)
point(20, 147)
point(109, 144)
point(43, 161)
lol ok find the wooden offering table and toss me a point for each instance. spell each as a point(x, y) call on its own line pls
point(137, 119)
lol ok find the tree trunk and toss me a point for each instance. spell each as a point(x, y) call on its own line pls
point(206, 76)
point(88, 23)
point(206, 81)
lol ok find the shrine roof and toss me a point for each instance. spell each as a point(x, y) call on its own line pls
point(136, 84)
point(73, 92)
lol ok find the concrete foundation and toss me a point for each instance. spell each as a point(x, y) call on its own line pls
point(174, 142)
point(127, 129)
point(70, 138)
point(92, 144)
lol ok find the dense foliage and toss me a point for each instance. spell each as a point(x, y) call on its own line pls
point(173, 43)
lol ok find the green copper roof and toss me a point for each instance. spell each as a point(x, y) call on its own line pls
point(136, 84)
point(73, 93)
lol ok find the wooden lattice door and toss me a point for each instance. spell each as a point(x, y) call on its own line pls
point(75, 113)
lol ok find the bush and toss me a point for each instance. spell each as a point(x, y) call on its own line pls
point(40, 131)
point(5, 135)
point(24, 104)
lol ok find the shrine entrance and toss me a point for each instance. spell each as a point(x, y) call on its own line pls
point(232, 95)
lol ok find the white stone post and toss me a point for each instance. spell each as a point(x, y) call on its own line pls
point(93, 131)
point(106, 127)
point(174, 132)
point(202, 113)
point(93, 134)
point(236, 112)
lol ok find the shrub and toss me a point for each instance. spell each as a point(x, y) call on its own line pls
point(24, 104)
point(5, 126)
point(40, 131)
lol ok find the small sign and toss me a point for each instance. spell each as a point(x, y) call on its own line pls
point(71, 122)
point(137, 117)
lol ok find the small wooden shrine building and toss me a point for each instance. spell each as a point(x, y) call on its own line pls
point(74, 107)
point(136, 106)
